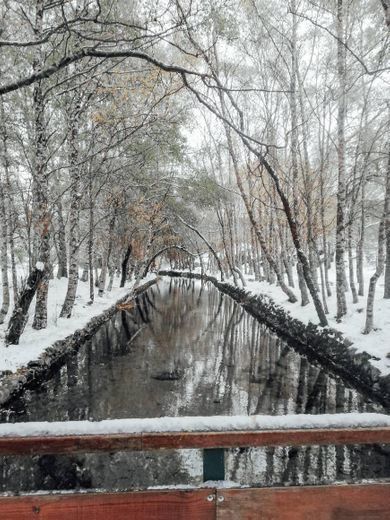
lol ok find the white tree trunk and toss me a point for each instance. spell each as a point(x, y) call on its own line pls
point(341, 198)
point(40, 200)
point(294, 147)
point(374, 278)
point(381, 255)
point(4, 214)
point(75, 178)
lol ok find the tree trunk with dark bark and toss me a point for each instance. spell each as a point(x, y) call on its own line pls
point(19, 316)
point(107, 254)
point(61, 244)
point(124, 265)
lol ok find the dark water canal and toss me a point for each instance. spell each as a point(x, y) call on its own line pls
point(186, 349)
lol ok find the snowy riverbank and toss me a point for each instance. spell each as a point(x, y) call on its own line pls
point(34, 342)
point(377, 343)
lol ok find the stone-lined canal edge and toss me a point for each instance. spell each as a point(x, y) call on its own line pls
point(325, 347)
point(12, 385)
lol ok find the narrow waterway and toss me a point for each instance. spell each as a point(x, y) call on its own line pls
point(186, 349)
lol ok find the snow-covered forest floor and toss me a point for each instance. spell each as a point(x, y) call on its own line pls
point(376, 343)
point(34, 342)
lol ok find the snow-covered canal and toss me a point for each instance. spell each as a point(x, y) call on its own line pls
point(188, 350)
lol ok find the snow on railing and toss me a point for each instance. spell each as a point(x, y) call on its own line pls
point(194, 424)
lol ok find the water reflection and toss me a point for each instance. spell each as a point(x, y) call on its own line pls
point(186, 349)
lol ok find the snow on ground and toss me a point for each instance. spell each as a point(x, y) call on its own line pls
point(34, 342)
point(377, 343)
point(215, 423)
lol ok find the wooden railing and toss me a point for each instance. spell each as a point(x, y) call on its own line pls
point(369, 501)
point(179, 440)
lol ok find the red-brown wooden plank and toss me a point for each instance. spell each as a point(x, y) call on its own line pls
point(340, 502)
point(153, 441)
point(69, 444)
point(147, 505)
point(302, 437)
